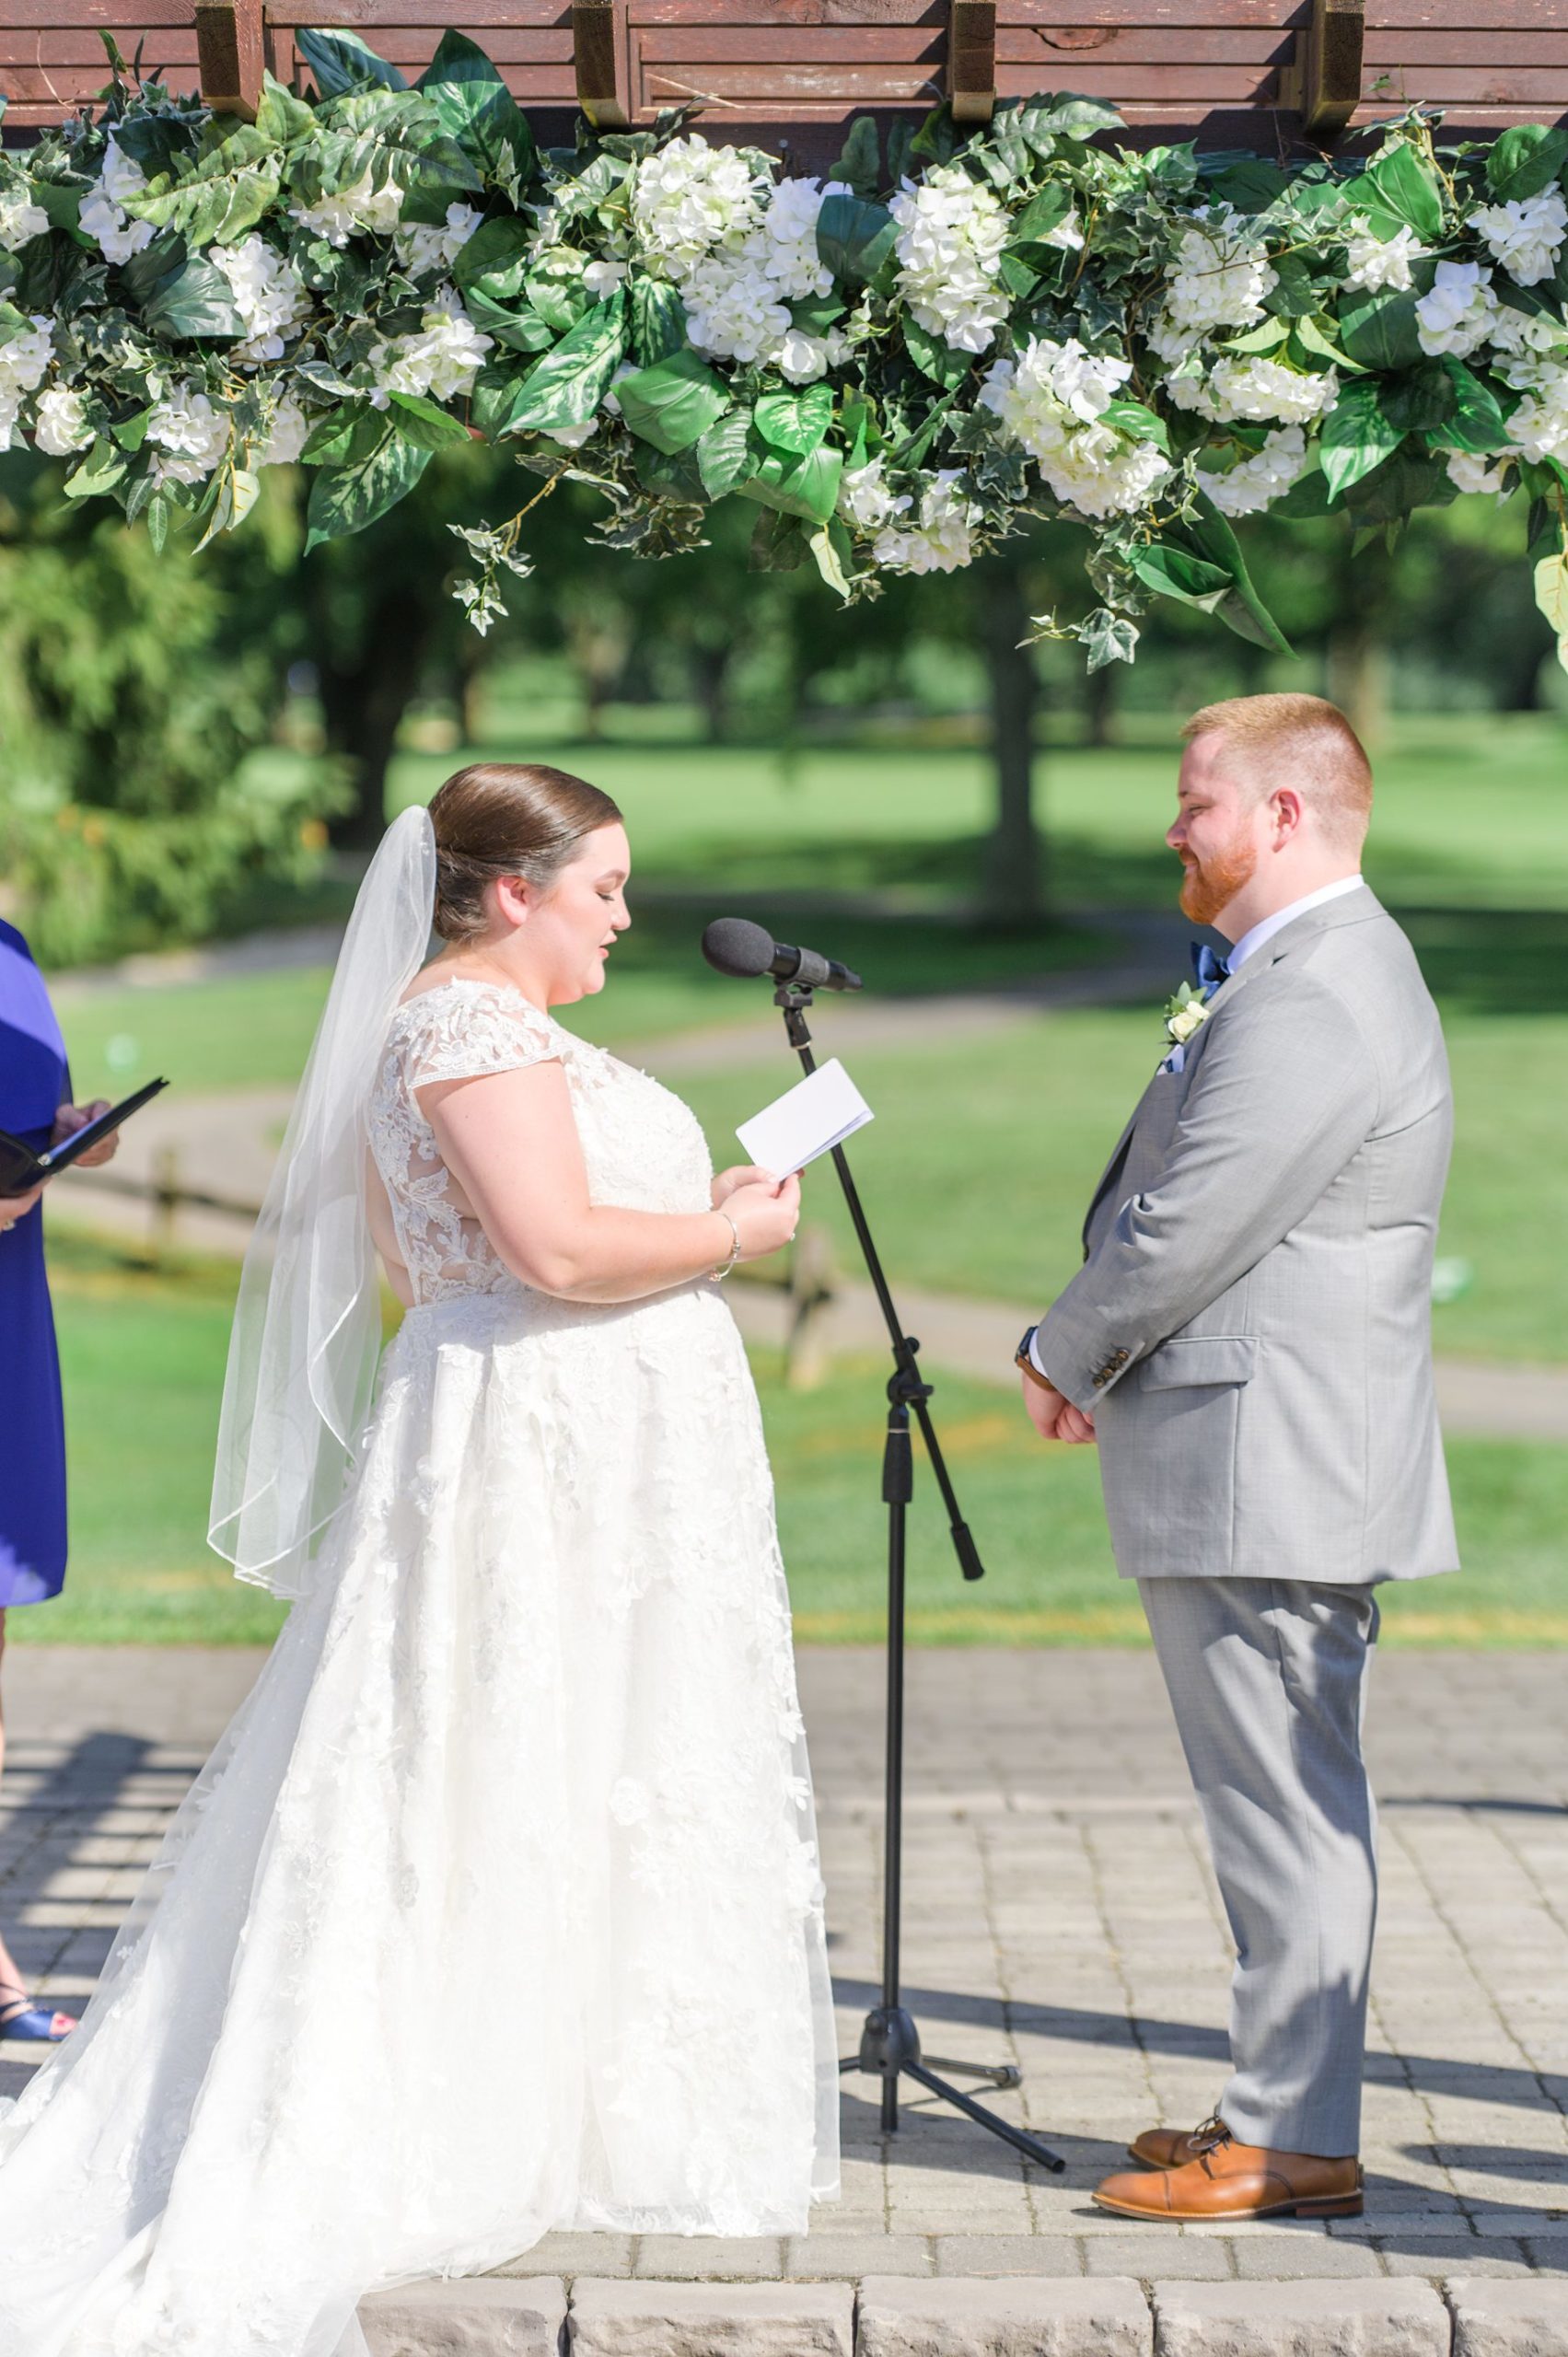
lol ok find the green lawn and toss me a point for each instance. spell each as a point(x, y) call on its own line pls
point(254, 1030)
point(983, 1153)
point(1470, 808)
point(143, 1356)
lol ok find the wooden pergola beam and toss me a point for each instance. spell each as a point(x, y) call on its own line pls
point(601, 60)
point(1322, 83)
point(971, 59)
point(229, 53)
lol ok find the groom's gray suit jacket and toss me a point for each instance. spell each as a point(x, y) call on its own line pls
point(1252, 1324)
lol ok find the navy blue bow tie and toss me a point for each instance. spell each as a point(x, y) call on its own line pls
point(1208, 970)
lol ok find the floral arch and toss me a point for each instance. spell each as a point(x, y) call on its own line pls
point(898, 366)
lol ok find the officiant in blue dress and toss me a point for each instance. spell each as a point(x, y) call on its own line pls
point(35, 1090)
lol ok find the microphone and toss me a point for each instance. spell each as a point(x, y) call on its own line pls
point(735, 945)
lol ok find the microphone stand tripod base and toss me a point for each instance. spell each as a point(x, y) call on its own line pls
point(890, 2048)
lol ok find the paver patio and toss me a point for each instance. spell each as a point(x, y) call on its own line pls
point(1059, 1914)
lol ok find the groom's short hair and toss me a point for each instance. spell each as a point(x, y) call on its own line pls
point(1303, 741)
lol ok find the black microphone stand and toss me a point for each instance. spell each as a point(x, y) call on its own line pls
point(889, 2042)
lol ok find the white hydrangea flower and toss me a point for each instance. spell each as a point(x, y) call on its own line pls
point(1219, 278)
point(286, 436)
point(802, 359)
point(1068, 233)
point(1538, 427)
point(24, 362)
point(60, 422)
point(690, 197)
point(20, 218)
point(441, 361)
point(1526, 235)
point(941, 542)
point(786, 243)
point(348, 210)
point(1261, 477)
point(1051, 400)
point(951, 233)
point(867, 501)
point(268, 295)
point(1471, 472)
point(102, 214)
point(120, 175)
point(571, 437)
point(738, 295)
point(626, 369)
point(1456, 316)
point(1377, 262)
point(429, 245)
point(1525, 339)
point(193, 435)
point(733, 310)
point(602, 278)
point(1258, 391)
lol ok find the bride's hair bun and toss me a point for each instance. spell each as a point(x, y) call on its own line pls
point(507, 818)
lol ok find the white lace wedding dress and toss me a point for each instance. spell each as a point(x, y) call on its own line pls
point(498, 1907)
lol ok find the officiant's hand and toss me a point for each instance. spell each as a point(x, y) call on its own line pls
point(766, 1213)
point(1053, 1415)
point(744, 1173)
point(16, 1207)
point(69, 1119)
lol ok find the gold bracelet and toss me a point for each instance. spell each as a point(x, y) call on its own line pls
point(717, 1276)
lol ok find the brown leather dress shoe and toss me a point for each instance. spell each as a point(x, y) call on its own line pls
point(1167, 2148)
point(1227, 2180)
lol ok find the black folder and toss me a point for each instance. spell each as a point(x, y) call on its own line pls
point(22, 1168)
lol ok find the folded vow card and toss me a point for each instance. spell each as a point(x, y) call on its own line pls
point(819, 1114)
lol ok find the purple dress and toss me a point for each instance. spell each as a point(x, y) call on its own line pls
point(34, 1080)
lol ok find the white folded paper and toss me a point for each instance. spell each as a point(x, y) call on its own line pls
point(819, 1114)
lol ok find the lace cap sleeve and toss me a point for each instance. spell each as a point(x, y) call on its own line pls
point(460, 1034)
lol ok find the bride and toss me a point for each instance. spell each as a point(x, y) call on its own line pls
point(497, 1908)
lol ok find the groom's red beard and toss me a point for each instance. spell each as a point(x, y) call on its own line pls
point(1210, 884)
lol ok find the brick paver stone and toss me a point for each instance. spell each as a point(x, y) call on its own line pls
point(481, 2318)
point(1015, 2315)
point(1393, 2317)
point(1509, 2317)
point(648, 2319)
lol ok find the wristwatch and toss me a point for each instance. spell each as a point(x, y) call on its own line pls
point(1021, 1358)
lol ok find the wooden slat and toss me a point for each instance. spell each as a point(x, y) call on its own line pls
point(1205, 86)
point(1479, 53)
point(853, 85)
point(1479, 16)
point(807, 16)
point(117, 17)
point(481, 19)
point(1519, 86)
point(1016, 14)
point(833, 45)
point(1050, 53)
point(416, 44)
point(27, 47)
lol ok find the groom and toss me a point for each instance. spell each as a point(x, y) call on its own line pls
point(1249, 1340)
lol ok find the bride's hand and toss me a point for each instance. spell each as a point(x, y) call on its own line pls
point(744, 1173)
point(766, 1214)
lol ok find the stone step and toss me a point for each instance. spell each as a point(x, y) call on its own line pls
point(892, 2316)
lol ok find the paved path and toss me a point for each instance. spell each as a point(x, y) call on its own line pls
point(1060, 1914)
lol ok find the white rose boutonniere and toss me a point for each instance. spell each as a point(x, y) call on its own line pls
point(1185, 1014)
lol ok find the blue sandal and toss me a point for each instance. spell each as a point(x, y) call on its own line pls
point(25, 2020)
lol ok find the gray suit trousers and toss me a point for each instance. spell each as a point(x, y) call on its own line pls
point(1267, 1678)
